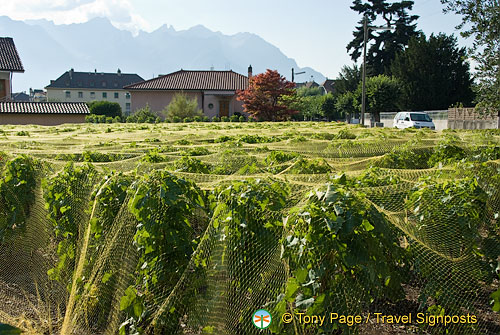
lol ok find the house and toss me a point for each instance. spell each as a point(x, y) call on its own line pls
point(20, 96)
point(74, 86)
point(215, 91)
point(329, 85)
point(43, 113)
point(28, 112)
point(38, 95)
point(307, 84)
point(9, 63)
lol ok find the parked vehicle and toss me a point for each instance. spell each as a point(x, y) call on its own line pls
point(413, 120)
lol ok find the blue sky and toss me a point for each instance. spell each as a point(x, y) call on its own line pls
point(314, 33)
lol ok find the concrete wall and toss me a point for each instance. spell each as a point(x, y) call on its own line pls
point(41, 119)
point(469, 118)
point(59, 94)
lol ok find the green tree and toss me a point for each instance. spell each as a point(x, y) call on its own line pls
point(434, 73)
point(347, 104)
point(386, 43)
point(482, 19)
point(348, 79)
point(182, 107)
point(330, 109)
point(382, 95)
point(111, 109)
point(309, 91)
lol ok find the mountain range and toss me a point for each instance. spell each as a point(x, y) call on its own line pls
point(48, 50)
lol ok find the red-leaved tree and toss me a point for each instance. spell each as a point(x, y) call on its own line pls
point(265, 98)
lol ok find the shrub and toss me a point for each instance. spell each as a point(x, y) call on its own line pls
point(143, 115)
point(196, 151)
point(90, 118)
point(192, 165)
point(187, 120)
point(447, 151)
point(345, 134)
point(234, 118)
point(215, 119)
point(107, 108)
point(153, 156)
point(310, 166)
point(242, 118)
point(223, 138)
point(205, 118)
point(109, 119)
point(224, 119)
point(117, 119)
point(197, 118)
point(101, 118)
point(176, 119)
point(183, 107)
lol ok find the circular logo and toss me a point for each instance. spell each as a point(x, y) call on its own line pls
point(262, 319)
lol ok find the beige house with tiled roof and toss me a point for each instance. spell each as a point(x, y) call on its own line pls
point(215, 91)
point(9, 63)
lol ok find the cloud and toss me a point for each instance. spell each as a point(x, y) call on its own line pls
point(119, 12)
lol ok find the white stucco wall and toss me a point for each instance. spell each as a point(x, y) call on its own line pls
point(59, 94)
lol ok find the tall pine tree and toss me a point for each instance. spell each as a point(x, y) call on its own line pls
point(386, 44)
point(434, 73)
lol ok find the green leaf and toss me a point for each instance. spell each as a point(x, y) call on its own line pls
point(106, 277)
point(291, 288)
point(301, 275)
point(367, 225)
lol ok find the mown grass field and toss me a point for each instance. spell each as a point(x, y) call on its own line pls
point(190, 228)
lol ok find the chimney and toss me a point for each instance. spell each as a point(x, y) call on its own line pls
point(95, 71)
point(250, 72)
point(119, 72)
point(71, 73)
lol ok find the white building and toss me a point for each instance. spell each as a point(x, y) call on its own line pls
point(74, 86)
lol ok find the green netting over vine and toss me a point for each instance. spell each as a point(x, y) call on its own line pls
point(192, 228)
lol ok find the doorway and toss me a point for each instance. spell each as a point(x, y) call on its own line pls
point(223, 108)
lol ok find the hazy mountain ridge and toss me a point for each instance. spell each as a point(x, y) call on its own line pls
point(48, 50)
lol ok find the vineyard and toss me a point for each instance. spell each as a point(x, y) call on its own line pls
point(191, 228)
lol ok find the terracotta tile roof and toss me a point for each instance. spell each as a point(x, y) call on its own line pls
point(195, 80)
point(9, 58)
point(94, 80)
point(44, 108)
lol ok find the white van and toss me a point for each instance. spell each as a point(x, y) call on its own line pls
point(413, 120)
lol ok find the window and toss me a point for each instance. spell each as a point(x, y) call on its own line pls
point(127, 108)
point(116, 95)
point(80, 95)
point(127, 95)
point(68, 94)
point(420, 117)
point(92, 84)
point(104, 95)
point(103, 84)
point(92, 95)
